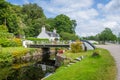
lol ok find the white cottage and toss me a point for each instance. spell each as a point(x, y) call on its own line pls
point(49, 35)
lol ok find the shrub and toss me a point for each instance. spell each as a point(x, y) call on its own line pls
point(10, 42)
point(76, 47)
point(96, 53)
point(17, 41)
point(7, 43)
point(19, 53)
point(5, 59)
point(37, 39)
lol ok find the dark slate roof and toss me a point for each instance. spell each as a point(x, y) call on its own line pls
point(52, 34)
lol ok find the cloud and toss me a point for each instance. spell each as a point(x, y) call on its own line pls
point(90, 20)
point(91, 15)
point(26, 1)
point(112, 13)
point(110, 24)
point(64, 6)
point(113, 7)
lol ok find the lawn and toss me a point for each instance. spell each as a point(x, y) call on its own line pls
point(90, 68)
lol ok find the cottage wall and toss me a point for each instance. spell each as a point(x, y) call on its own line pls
point(43, 35)
point(49, 35)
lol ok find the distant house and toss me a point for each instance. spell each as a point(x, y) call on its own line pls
point(48, 35)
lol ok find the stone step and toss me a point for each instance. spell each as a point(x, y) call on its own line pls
point(78, 59)
point(71, 63)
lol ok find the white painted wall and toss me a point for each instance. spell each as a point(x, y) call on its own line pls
point(43, 35)
point(25, 42)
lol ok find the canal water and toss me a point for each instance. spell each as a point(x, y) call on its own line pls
point(29, 71)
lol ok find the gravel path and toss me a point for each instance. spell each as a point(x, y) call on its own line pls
point(115, 52)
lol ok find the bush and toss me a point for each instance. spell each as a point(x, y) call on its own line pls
point(95, 54)
point(10, 42)
point(7, 43)
point(19, 53)
point(76, 47)
point(37, 39)
point(5, 59)
point(17, 41)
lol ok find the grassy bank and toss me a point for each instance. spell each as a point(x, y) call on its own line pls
point(90, 68)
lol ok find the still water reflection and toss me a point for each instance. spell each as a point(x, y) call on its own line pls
point(29, 72)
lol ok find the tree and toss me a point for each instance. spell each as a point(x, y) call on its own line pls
point(34, 19)
point(3, 11)
point(28, 19)
point(10, 17)
point(4, 34)
point(33, 11)
point(64, 26)
point(119, 37)
point(51, 23)
point(63, 23)
point(68, 36)
point(107, 35)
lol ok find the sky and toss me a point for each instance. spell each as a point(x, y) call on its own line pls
point(92, 16)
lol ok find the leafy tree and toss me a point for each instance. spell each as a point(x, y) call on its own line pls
point(119, 38)
point(90, 38)
point(28, 19)
point(3, 11)
point(68, 36)
point(33, 11)
point(4, 33)
point(9, 17)
point(74, 24)
point(3, 28)
point(34, 19)
point(51, 22)
point(63, 23)
point(64, 26)
point(107, 35)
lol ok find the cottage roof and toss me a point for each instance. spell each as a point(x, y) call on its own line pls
point(52, 34)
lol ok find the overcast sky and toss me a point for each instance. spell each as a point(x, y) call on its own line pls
point(92, 16)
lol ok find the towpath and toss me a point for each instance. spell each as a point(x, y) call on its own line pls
point(114, 49)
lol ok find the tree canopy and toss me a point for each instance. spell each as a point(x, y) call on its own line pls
point(68, 36)
point(64, 26)
point(63, 23)
point(107, 35)
point(28, 19)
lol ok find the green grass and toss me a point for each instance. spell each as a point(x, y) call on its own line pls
point(90, 68)
point(72, 56)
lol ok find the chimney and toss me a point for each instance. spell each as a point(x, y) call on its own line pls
point(43, 29)
point(54, 30)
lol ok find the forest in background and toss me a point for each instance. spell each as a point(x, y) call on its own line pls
point(27, 20)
